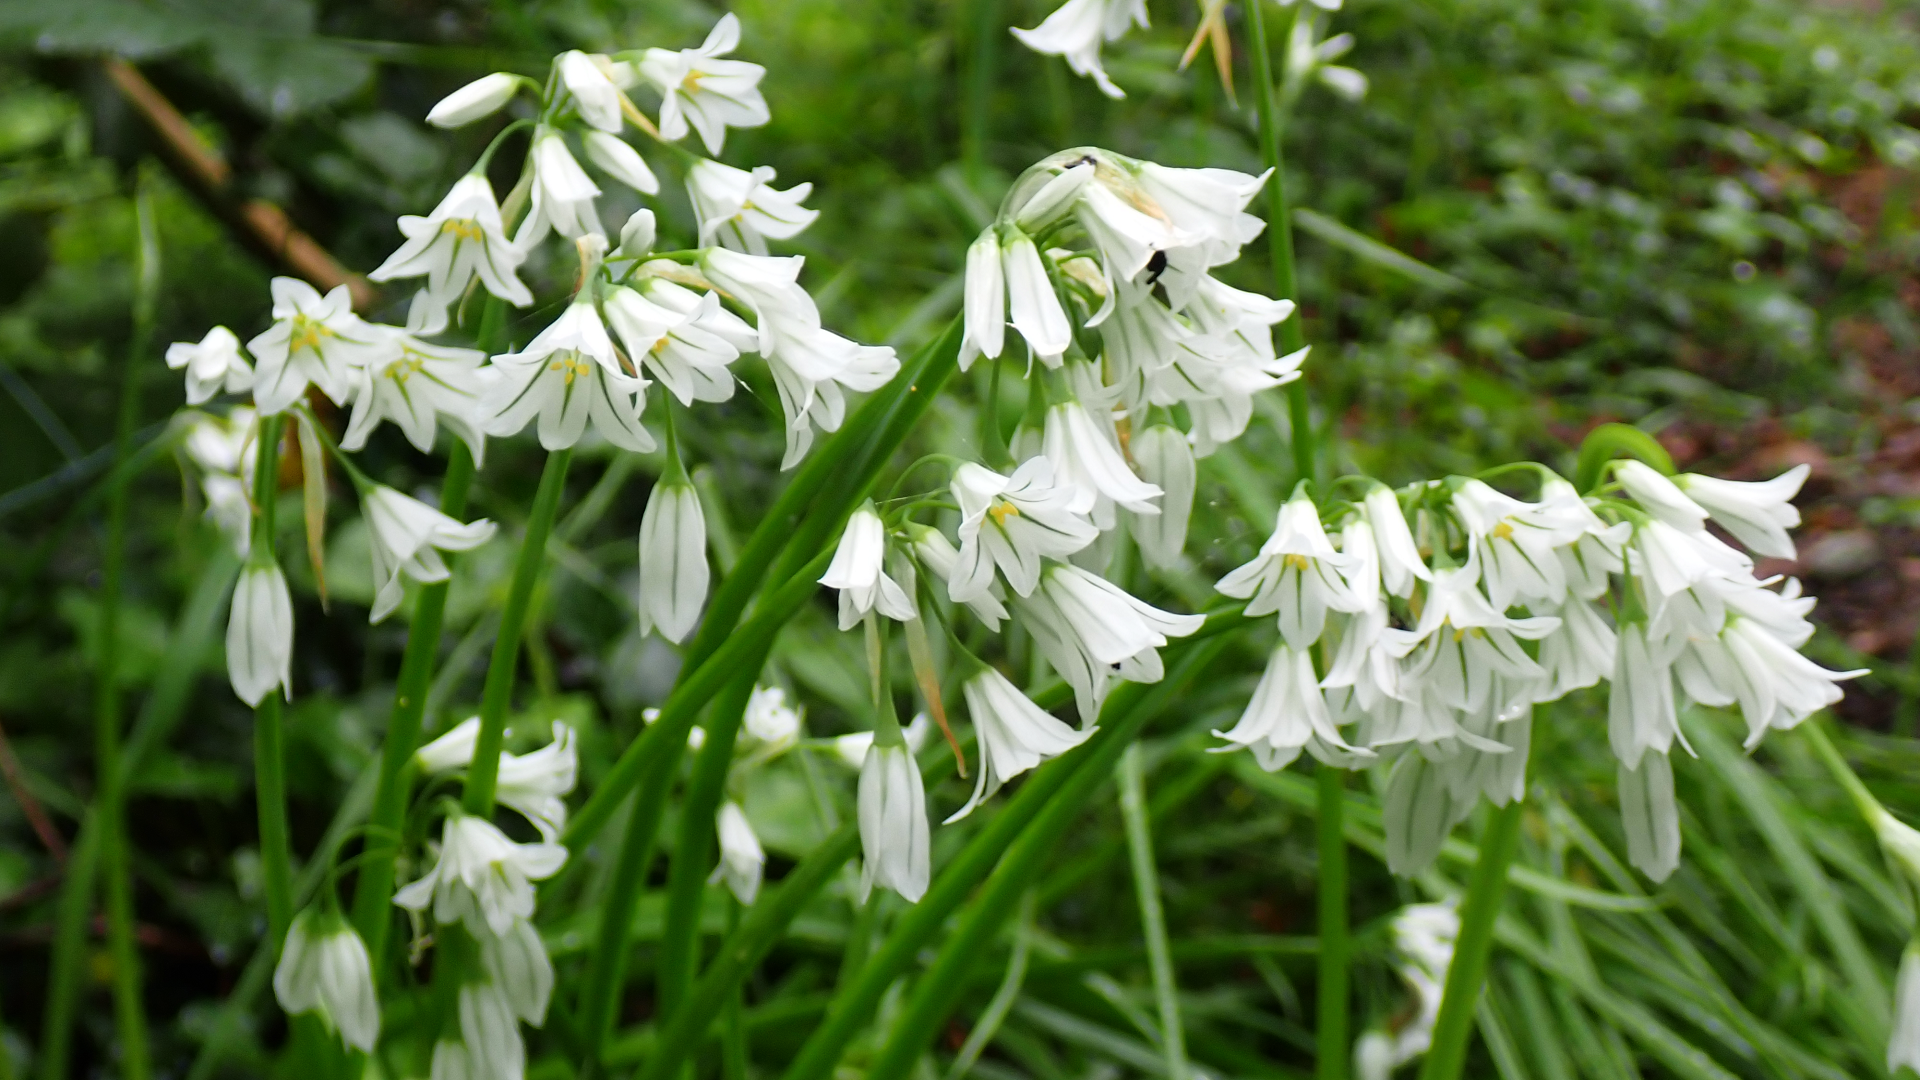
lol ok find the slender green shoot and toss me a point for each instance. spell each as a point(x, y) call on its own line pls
point(1153, 921)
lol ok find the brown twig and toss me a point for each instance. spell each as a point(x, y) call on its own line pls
point(262, 225)
point(36, 815)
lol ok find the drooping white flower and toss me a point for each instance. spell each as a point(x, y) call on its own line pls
point(1087, 457)
point(673, 559)
point(260, 633)
point(1400, 562)
point(1125, 236)
point(637, 236)
point(893, 823)
point(1775, 686)
point(1649, 815)
point(1034, 305)
point(1758, 515)
point(1012, 523)
point(563, 194)
point(424, 386)
point(565, 376)
point(984, 307)
point(697, 86)
point(1287, 714)
point(1640, 709)
point(1297, 574)
point(1014, 734)
point(478, 99)
point(1467, 654)
point(481, 878)
point(859, 573)
point(1578, 654)
point(618, 159)
point(212, 365)
point(1110, 624)
point(1207, 207)
point(742, 862)
point(1903, 1047)
point(531, 784)
point(938, 555)
point(407, 536)
point(1517, 542)
point(324, 969)
point(594, 94)
point(225, 448)
point(1076, 31)
point(490, 1046)
point(742, 210)
point(1659, 495)
point(314, 340)
point(1166, 461)
point(1054, 196)
point(462, 238)
point(521, 971)
point(687, 348)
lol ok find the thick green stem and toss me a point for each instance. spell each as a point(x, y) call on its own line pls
point(1334, 953)
point(1153, 920)
point(129, 1016)
point(1280, 234)
point(1843, 773)
point(1471, 951)
point(936, 992)
point(269, 753)
point(496, 698)
point(372, 897)
point(987, 30)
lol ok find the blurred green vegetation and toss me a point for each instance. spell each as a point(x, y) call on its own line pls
point(1694, 215)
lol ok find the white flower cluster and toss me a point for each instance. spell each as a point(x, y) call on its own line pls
point(483, 880)
point(1447, 610)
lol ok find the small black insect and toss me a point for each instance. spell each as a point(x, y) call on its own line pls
point(1156, 266)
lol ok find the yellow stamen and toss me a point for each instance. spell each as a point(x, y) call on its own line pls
point(307, 334)
point(1298, 562)
point(463, 229)
point(1001, 510)
point(1503, 531)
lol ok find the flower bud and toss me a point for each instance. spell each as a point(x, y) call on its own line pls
point(480, 98)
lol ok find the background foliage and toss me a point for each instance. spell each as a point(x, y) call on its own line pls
point(1694, 216)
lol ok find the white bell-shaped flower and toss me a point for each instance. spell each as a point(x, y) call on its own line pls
point(686, 349)
point(563, 194)
point(770, 720)
point(1758, 515)
point(984, 307)
point(213, 364)
point(696, 86)
point(859, 573)
point(489, 1034)
point(1649, 815)
point(673, 559)
point(1640, 708)
point(1659, 495)
point(481, 878)
point(314, 340)
point(1076, 31)
point(1087, 457)
point(587, 82)
point(1110, 624)
point(324, 969)
point(1014, 734)
point(939, 556)
point(1287, 714)
point(1516, 542)
point(1031, 299)
point(893, 823)
point(477, 100)
point(1578, 654)
point(1297, 574)
point(462, 239)
point(620, 160)
point(1013, 524)
point(742, 862)
point(1400, 562)
point(521, 971)
point(1467, 653)
point(531, 784)
point(567, 375)
point(260, 633)
point(742, 210)
point(424, 386)
point(407, 536)
point(1166, 461)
